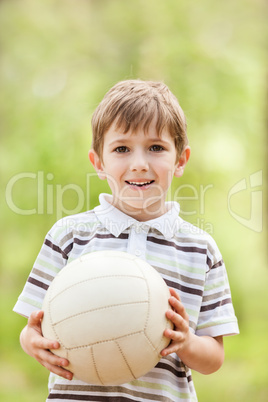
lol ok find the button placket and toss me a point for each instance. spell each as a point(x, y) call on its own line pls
point(137, 240)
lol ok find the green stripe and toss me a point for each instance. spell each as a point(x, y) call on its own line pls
point(31, 302)
point(213, 323)
point(59, 231)
point(47, 265)
point(215, 285)
point(66, 229)
point(172, 263)
point(192, 313)
point(150, 385)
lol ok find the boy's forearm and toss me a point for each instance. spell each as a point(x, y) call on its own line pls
point(203, 353)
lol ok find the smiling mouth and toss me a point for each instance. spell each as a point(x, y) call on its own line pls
point(140, 184)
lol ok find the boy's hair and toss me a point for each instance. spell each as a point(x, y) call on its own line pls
point(133, 104)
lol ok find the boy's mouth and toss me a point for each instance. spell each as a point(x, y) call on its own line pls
point(140, 183)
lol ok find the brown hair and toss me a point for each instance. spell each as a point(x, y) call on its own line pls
point(133, 104)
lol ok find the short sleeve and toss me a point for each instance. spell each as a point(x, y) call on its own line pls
point(51, 259)
point(217, 316)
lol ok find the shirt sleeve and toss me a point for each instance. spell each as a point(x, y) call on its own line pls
point(217, 316)
point(51, 259)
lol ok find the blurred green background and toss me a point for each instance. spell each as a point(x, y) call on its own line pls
point(58, 58)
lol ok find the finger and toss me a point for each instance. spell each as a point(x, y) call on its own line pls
point(175, 318)
point(180, 324)
point(49, 344)
point(44, 343)
point(50, 358)
point(174, 293)
point(59, 371)
point(176, 336)
point(172, 348)
point(178, 307)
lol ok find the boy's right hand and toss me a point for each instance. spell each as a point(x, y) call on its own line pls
point(35, 345)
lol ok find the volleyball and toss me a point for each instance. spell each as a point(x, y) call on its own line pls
point(107, 311)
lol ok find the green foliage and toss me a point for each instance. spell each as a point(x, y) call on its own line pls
point(57, 61)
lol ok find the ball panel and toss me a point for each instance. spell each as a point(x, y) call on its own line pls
point(102, 325)
point(99, 263)
point(157, 318)
point(158, 295)
point(139, 353)
point(47, 328)
point(111, 365)
point(83, 366)
point(97, 294)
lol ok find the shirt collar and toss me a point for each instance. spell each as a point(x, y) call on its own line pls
point(117, 221)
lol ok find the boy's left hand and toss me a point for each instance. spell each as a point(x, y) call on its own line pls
point(180, 335)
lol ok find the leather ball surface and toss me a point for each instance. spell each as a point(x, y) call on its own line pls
point(107, 311)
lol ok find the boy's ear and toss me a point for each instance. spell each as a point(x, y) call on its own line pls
point(183, 159)
point(96, 162)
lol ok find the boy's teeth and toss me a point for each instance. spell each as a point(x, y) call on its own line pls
point(140, 183)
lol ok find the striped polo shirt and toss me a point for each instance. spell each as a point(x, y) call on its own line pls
point(186, 257)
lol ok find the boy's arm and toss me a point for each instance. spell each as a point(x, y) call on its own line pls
point(35, 345)
point(204, 354)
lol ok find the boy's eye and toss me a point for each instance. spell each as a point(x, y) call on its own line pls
point(156, 148)
point(121, 149)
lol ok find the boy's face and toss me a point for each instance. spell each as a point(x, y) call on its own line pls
point(139, 168)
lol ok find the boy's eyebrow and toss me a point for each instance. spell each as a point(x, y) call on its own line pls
point(118, 141)
point(158, 139)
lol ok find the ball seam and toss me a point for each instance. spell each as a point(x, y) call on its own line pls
point(99, 309)
point(95, 278)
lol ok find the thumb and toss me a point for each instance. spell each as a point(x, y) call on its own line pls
point(35, 318)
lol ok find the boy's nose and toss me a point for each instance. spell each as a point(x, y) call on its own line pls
point(139, 162)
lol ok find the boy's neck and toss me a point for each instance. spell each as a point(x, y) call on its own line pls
point(140, 214)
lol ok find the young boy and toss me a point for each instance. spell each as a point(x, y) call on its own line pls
point(139, 144)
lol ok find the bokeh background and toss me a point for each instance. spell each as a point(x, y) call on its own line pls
point(57, 59)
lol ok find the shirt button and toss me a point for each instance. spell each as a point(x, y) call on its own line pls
point(138, 229)
point(138, 253)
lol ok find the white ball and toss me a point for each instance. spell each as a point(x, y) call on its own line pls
point(107, 311)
